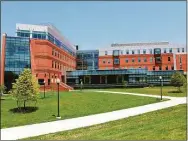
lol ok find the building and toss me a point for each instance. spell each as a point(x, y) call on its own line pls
point(87, 59)
point(50, 56)
point(39, 47)
point(152, 56)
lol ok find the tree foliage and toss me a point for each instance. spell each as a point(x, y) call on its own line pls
point(2, 89)
point(124, 83)
point(26, 88)
point(178, 80)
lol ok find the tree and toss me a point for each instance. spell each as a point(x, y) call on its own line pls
point(26, 88)
point(178, 80)
point(124, 83)
point(2, 89)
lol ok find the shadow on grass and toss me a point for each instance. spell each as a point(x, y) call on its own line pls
point(24, 110)
point(175, 92)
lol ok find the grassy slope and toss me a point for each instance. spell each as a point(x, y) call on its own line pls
point(167, 91)
point(166, 124)
point(72, 104)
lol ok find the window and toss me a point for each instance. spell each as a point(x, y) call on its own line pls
point(158, 59)
point(182, 49)
point(132, 51)
point(52, 64)
point(170, 50)
point(116, 61)
point(164, 50)
point(157, 51)
point(166, 67)
point(151, 59)
point(138, 51)
point(180, 60)
point(132, 59)
point(126, 60)
point(178, 49)
point(150, 51)
point(122, 52)
point(153, 67)
point(169, 59)
point(104, 62)
point(53, 52)
point(145, 59)
point(139, 60)
point(108, 62)
point(106, 53)
point(144, 51)
point(127, 51)
point(172, 67)
point(180, 67)
point(159, 67)
point(115, 52)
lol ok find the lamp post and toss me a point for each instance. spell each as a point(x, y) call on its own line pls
point(160, 77)
point(81, 84)
point(44, 89)
point(58, 115)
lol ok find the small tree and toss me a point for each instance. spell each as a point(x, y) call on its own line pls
point(2, 89)
point(178, 80)
point(26, 88)
point(124, 83)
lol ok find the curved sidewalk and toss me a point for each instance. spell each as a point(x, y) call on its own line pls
point(20, 132)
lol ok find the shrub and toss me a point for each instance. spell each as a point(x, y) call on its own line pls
point(2, 89)
point(26, 88)
point(178, 80)
point(124, 83)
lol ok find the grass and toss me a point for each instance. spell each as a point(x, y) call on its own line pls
point(72, 104)
point(166, 124)
point(167, 91)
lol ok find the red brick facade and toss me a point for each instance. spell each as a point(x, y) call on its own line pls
point(2, 59)
point(48, 62)
point(146, 61)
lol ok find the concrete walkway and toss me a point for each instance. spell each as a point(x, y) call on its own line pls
point(137, 94)
point(20, 132)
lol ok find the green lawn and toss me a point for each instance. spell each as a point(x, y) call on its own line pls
point(167, 91)
point(72, 104)
point(166, 124)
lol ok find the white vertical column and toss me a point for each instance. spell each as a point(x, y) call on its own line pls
point(106, 80)
point(31, 32)
point(174, 57)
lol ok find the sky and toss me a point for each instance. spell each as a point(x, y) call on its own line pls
point(94, 24)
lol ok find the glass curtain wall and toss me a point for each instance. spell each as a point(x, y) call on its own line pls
point(17, 57)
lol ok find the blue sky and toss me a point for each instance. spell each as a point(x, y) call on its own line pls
point(95, 24)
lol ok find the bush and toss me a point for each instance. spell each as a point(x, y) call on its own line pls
point(26, 88)
point(2, 89)
point(178, 80)
point(151, 85)
point(124, 83)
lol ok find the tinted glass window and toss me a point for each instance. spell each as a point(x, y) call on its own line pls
point(115, 52)
point(116, 61)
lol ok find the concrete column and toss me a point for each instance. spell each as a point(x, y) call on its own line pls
point(122, 78)
point(89, 79)
point(117, 79)
point(46, 35)
point(174, 59)
point(31, 33)
point(106, 81)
